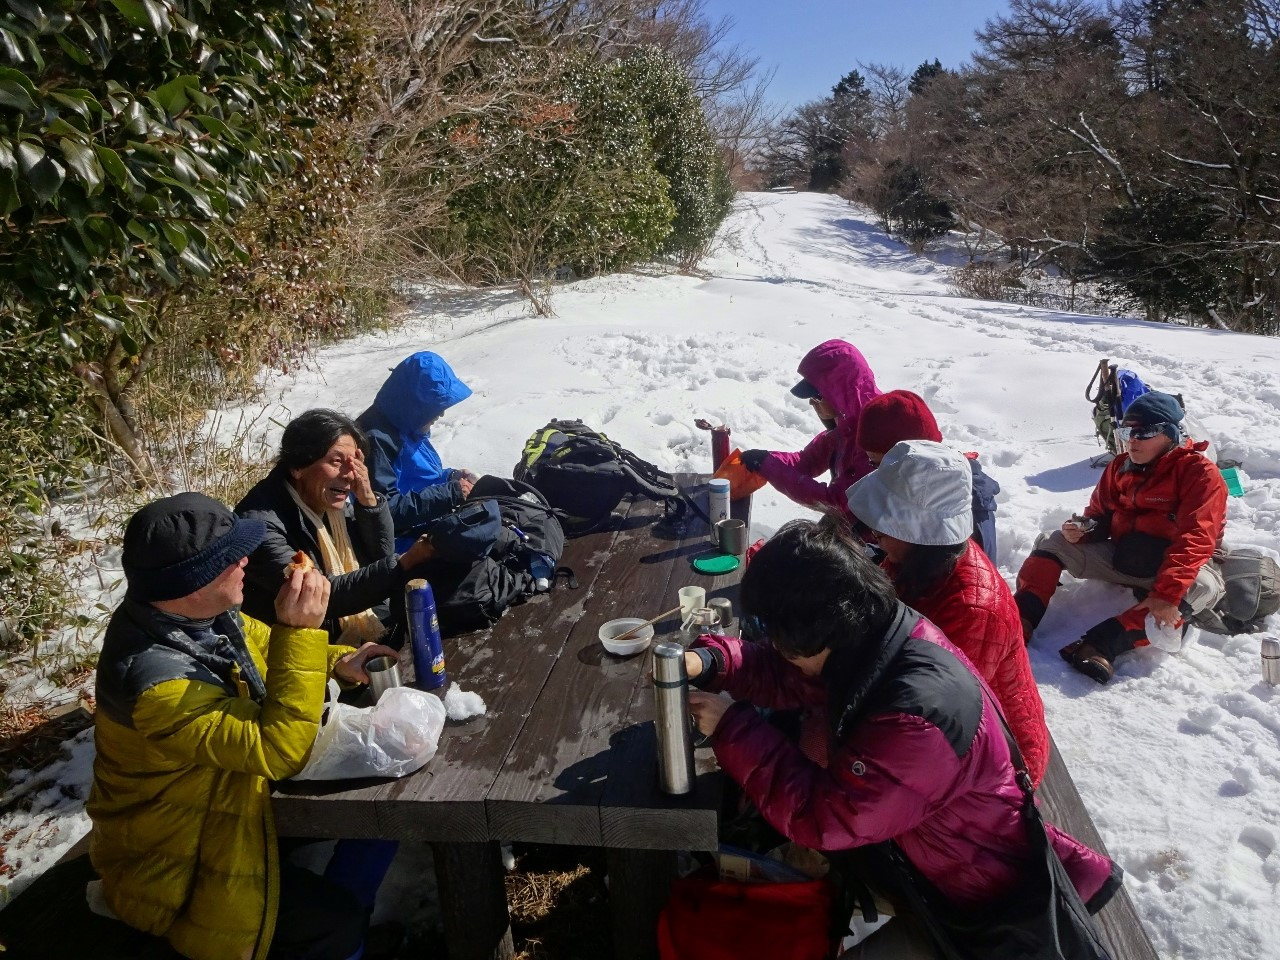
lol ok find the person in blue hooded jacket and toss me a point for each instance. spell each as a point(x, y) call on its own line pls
point(403, 465)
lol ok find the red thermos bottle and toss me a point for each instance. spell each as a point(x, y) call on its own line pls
point(719, 446)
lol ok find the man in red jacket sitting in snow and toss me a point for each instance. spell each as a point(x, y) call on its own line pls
point(1154, 523)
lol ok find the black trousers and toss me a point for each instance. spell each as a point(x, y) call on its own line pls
point(317, 919)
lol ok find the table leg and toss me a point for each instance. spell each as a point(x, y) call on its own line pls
point(639, 884)
point(473, 901)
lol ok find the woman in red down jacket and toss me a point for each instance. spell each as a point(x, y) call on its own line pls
point(915, 751)
point(837, 380)
point(918, 506)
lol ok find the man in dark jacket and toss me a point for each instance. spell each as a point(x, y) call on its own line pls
point(403, 464)
point(1154, 523)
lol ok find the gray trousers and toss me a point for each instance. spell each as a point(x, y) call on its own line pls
point(1092, 561)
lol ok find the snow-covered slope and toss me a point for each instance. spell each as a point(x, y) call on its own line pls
point(1179, 757)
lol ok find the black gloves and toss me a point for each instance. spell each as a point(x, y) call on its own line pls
point(751, 459)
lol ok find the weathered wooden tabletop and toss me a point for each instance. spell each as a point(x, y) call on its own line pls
point(565, 752)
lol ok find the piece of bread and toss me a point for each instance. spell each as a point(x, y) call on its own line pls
point(300, 562)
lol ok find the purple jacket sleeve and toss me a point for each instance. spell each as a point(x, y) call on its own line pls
point(883, 783)
point(754, 672)
point(793, 473)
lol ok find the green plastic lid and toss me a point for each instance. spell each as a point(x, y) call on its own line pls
point(715, 563)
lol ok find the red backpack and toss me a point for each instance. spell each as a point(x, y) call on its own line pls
point(708, 918)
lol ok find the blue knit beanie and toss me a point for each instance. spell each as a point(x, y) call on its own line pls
point(177, 545)
point(1152, 408)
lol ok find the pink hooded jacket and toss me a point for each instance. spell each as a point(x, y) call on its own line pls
point(841, 373)
point(916, 754)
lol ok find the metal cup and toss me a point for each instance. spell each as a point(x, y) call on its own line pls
point(731, 535)
point(723, 607)
point(1271, 660)
point(384, 673)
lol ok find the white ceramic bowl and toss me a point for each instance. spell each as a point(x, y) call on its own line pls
point(633, 644)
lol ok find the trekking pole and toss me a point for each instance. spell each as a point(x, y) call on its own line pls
point(1099, 377)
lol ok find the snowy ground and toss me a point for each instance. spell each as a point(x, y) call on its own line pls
point(1178, 758)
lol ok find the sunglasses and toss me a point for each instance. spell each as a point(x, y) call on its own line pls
point(813, 400)
point(1146, 431)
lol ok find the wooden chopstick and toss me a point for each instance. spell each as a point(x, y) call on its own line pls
point(640, 626)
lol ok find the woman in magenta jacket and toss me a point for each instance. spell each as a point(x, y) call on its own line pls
point(915, 751)
point(837, 381)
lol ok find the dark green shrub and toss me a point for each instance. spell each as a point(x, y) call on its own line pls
point(684, 148)
point(564, 180)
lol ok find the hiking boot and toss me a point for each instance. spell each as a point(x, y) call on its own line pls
point(1083, 656)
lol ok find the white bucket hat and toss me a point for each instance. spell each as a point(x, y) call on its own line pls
point(922, 492)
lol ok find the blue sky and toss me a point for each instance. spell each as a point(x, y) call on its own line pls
point(813, 43)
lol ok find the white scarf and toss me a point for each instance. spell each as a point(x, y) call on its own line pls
point(337, 556)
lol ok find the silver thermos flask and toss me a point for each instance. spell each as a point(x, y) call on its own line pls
point(671, 701)
point(1271, 660)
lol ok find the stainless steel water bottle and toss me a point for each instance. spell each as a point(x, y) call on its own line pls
point(424, 636)
point(671, 703)
point(1271, 660)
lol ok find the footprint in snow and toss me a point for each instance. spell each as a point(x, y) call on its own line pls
point(730, 373)
point(662, 419)
point(1244, 780)
point(784, 416)
point(1252, 863)
point(1201, 719)
point(1006, 458)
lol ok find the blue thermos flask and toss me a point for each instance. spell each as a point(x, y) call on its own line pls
point(424, 635)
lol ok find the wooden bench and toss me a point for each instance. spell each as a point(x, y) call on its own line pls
point(1061, 804)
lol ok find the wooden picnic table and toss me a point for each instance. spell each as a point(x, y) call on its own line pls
point(566, 751)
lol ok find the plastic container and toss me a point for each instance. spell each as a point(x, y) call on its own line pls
point(1168, 639)
point(717, 503)
point(1234, 487)
point(424, 636)
point(633, 644)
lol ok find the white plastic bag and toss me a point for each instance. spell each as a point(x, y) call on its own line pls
point(395, 736)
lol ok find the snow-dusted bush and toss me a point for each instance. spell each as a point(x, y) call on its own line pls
point(683, 146)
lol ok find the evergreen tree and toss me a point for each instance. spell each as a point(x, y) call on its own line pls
point(924, 73)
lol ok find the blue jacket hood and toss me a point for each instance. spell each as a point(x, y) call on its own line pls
point(420, 388)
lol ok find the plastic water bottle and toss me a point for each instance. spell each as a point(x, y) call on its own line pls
point(543, 568)
point(424, 636)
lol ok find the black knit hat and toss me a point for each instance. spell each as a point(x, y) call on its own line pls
point(177, 545)
point(1155, 408)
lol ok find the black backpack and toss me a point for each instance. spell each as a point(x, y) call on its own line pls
point(585, 474)
point(475, 585)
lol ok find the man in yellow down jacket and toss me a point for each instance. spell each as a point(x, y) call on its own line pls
point(198, 709)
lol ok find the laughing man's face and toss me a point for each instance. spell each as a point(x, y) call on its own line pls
point(326, 484)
